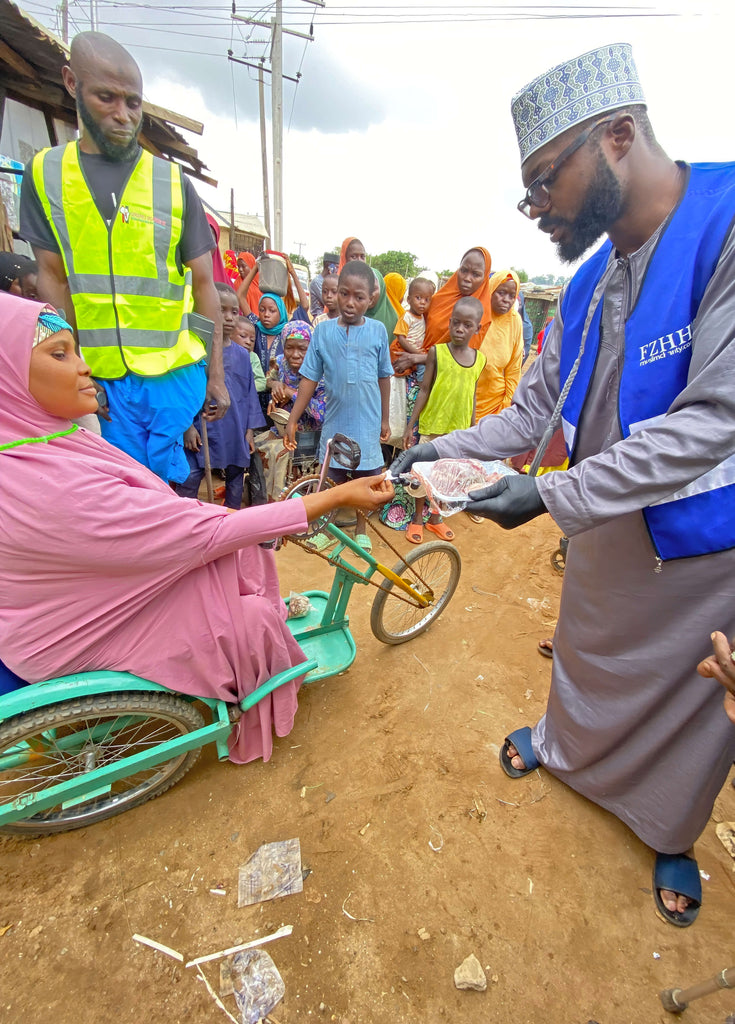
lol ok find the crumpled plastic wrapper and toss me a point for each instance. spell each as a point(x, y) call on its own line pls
point(299, 605)
point(257, 984)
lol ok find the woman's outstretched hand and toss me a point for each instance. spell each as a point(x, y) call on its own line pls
point(366, 492)
point(720, 666)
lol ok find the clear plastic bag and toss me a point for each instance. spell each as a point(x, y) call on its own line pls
point(299, 605)
point(257, 983)
point(447, 482)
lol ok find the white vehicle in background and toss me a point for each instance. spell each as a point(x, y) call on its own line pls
point(302, 272)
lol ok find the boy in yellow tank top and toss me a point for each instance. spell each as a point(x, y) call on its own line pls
point(446, 399)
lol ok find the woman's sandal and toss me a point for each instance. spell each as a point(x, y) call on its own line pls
point(415, 533)
point(680, 874)
point(521, 740)
point(546, 648)
point(441, 530)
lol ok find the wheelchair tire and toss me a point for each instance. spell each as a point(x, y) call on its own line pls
point(75, 736)
point(309, 485)
point(440, 565)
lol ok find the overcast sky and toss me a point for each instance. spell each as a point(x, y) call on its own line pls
point(401, 133)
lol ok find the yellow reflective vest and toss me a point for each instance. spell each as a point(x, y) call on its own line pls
point(130, 291)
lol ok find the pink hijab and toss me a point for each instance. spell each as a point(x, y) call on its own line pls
point(94, 551)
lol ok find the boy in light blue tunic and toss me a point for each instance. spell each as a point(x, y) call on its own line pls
point(352, 354)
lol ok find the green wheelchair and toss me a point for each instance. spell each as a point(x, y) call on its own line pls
point(82, 748)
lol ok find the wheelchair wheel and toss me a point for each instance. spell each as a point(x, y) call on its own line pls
point(439, 565)
point(309, 485)
point(57, 744)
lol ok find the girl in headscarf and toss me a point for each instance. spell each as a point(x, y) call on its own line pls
point(470, 279)
point(166, 588)
point(395, 288)
point(502, 346)
point(245, 263)
point(352, 249)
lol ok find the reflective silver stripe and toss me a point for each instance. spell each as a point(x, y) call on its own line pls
point(150, 287)
point(130, 337)
point(163, 208)
point(52, 186)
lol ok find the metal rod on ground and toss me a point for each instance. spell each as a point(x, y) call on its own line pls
point(207, 463)
point(676, 1000)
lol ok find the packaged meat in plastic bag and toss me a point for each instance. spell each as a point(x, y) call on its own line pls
point(447, 482)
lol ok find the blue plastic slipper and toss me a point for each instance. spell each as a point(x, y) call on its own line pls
point(680, 874)
point(521, 740)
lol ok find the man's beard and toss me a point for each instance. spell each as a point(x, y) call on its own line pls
point(106, 148)
point(602, 206)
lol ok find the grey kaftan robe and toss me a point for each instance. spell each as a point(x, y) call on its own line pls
point(629, 723)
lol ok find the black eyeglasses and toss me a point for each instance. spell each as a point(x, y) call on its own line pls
point(537, 193)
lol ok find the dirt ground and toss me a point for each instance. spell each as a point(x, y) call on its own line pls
point(551, 893)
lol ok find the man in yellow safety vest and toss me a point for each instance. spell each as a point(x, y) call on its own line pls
point(123, 248)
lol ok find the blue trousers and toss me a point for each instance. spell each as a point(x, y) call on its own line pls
point(150, 414)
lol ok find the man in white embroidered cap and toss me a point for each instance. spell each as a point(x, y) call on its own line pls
point(639, 370)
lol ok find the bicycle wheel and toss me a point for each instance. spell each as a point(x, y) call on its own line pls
point(439, 566)
point(51, 745)
point(310, 485)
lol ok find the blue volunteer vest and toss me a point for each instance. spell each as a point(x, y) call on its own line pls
point(700, 518)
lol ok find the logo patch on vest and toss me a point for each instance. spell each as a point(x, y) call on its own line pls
point(667, 345)
point(144, 218)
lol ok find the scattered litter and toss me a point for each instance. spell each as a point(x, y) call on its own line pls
point(470, 975)
point(437, 839)
point(422, 664)
point(485, 593)
point(481, 679)
point(508, 803)
point(364, 829)
point(423, 934)
point(530, 887)
point(287, 929)
point(329, 796)
point(225, 979)
point(166, 950)
point(704, 875)
point(273, 870)
point(257, 983)
point(371, 920)
point(478, 810)
point(218, 892)
point(305, 789)
point(656, 956)
point(725, 832)
point(469, 607)
point(536, 605)
point(528, 694)
point(215, 997)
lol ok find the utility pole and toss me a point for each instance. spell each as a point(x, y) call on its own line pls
point(65, 20)
point(301, 246)
point(264, 155)
point(277, 76)
point(277, 123)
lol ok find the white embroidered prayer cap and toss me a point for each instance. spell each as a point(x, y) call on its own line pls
point(600, 80)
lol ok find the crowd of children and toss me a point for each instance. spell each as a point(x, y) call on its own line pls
point(437, 360)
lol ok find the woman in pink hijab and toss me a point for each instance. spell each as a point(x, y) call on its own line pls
point(102, 566)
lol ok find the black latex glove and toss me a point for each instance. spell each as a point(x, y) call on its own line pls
point(509, 502)
point(419, 453)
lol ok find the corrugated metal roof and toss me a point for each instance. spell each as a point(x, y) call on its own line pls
point(31, 59)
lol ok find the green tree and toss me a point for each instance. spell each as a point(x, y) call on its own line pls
point(522, 275)
point(544, 279)
point(396, 262)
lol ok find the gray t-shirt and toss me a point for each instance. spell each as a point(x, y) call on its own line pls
point(107, 180)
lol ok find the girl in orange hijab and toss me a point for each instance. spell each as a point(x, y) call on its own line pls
point(352, 249)
point(245, 262)
point(502, 346)
point(470, 279)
